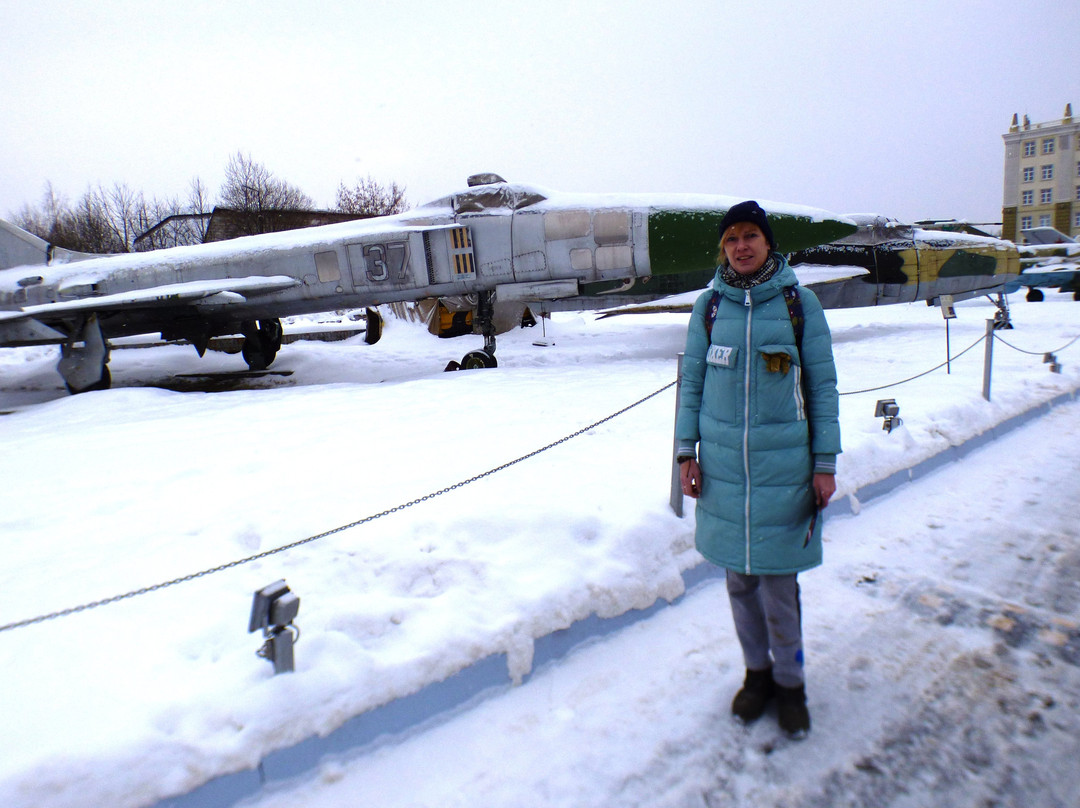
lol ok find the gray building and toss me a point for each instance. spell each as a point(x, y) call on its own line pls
point(1042, 176)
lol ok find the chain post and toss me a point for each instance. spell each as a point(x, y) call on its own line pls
point(676, 499)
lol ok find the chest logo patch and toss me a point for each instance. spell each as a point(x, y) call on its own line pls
point(721, 356)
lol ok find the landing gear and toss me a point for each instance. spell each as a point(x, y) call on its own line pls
point(485, 318)
point(262, 341)
point(85, 367)
point(1002, 321)
point(474, 360)
point(1033, 295)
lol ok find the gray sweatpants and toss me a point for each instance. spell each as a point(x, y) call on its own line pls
point(768, 620)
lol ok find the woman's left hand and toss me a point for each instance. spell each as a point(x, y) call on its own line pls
point(824, 488)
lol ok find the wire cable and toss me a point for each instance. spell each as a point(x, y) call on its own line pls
point(240, 561)
point(917, 376)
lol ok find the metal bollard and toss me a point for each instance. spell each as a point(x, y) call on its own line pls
point(676, 500)
point(988, 358)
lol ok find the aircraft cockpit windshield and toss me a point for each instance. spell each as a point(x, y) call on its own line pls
point(489, 198)
point(874, 229)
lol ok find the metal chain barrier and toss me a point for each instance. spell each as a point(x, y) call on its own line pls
point(918, 376)
point(196, 575)
point(1036, 353)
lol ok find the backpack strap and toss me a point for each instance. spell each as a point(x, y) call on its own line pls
point(710, 313)
point(794, 307)
point(795, 312)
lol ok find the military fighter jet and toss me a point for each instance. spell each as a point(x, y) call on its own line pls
point(891, 262)
point(492, 249)
point(1049, 259)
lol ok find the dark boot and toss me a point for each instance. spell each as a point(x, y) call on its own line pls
point(750, 702)
point(791, 711)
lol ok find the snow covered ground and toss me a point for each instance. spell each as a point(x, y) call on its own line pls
point(943, 639)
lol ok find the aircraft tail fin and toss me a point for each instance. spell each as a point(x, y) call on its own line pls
point(19, 248)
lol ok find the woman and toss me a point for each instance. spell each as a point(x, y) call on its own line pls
point(758, 434)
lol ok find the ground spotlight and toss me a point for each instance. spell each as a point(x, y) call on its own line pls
point(273, 609)
point(888, 409)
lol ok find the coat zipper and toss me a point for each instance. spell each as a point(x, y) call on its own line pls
point(746, 427)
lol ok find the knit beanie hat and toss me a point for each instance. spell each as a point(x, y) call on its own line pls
point(749, 211)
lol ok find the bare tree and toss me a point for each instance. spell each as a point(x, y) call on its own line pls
point(50, 220)
point(121, 219)
point(96, 232)
point(198, 203)
point(250, 188)
point(126, 213)
point(371, 198)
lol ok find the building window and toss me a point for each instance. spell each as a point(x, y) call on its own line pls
point(1046, 196)
point(1025, 222)
point(1028, 198)
point(1047, 172)
point(1076, 222)
point(1029, 174)
point(1078, 193)
point(1029, 149)
point(1078, 169)
point(1048, 146)
point(1044, 220)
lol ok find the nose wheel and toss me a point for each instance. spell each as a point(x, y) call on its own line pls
point(485, 318)
point(474, 360)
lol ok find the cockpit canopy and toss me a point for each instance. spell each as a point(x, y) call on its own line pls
point(490, 192)
point(876, 229)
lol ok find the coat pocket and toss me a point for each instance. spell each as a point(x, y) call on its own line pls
point(778, 385)
point(721, 393)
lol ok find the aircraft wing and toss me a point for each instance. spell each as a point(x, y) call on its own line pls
point(202, 293)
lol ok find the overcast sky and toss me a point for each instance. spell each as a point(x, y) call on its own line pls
point(895, 108)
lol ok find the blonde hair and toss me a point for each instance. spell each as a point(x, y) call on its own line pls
point(721, 258)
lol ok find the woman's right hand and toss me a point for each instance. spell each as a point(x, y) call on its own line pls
point(690, 477)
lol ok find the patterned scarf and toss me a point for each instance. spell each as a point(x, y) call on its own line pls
point(733, 278)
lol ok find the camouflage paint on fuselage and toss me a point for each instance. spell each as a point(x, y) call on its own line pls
point(684, 247)
point(903, 263)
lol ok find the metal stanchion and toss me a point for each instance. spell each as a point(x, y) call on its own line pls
point(676, 486)
point(988, 358)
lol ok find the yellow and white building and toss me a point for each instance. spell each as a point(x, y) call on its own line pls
point(1042, 176)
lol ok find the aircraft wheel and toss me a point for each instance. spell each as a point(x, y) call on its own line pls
point(1034, 295)
point(474, 360)
point(1076, 295)
point(254, 355)
point(262, 344)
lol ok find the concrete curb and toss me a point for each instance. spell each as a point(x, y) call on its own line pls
point(491, 673)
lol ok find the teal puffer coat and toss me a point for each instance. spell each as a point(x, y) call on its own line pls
point(765, 416)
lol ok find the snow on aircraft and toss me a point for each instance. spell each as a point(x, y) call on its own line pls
point(493, 249)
